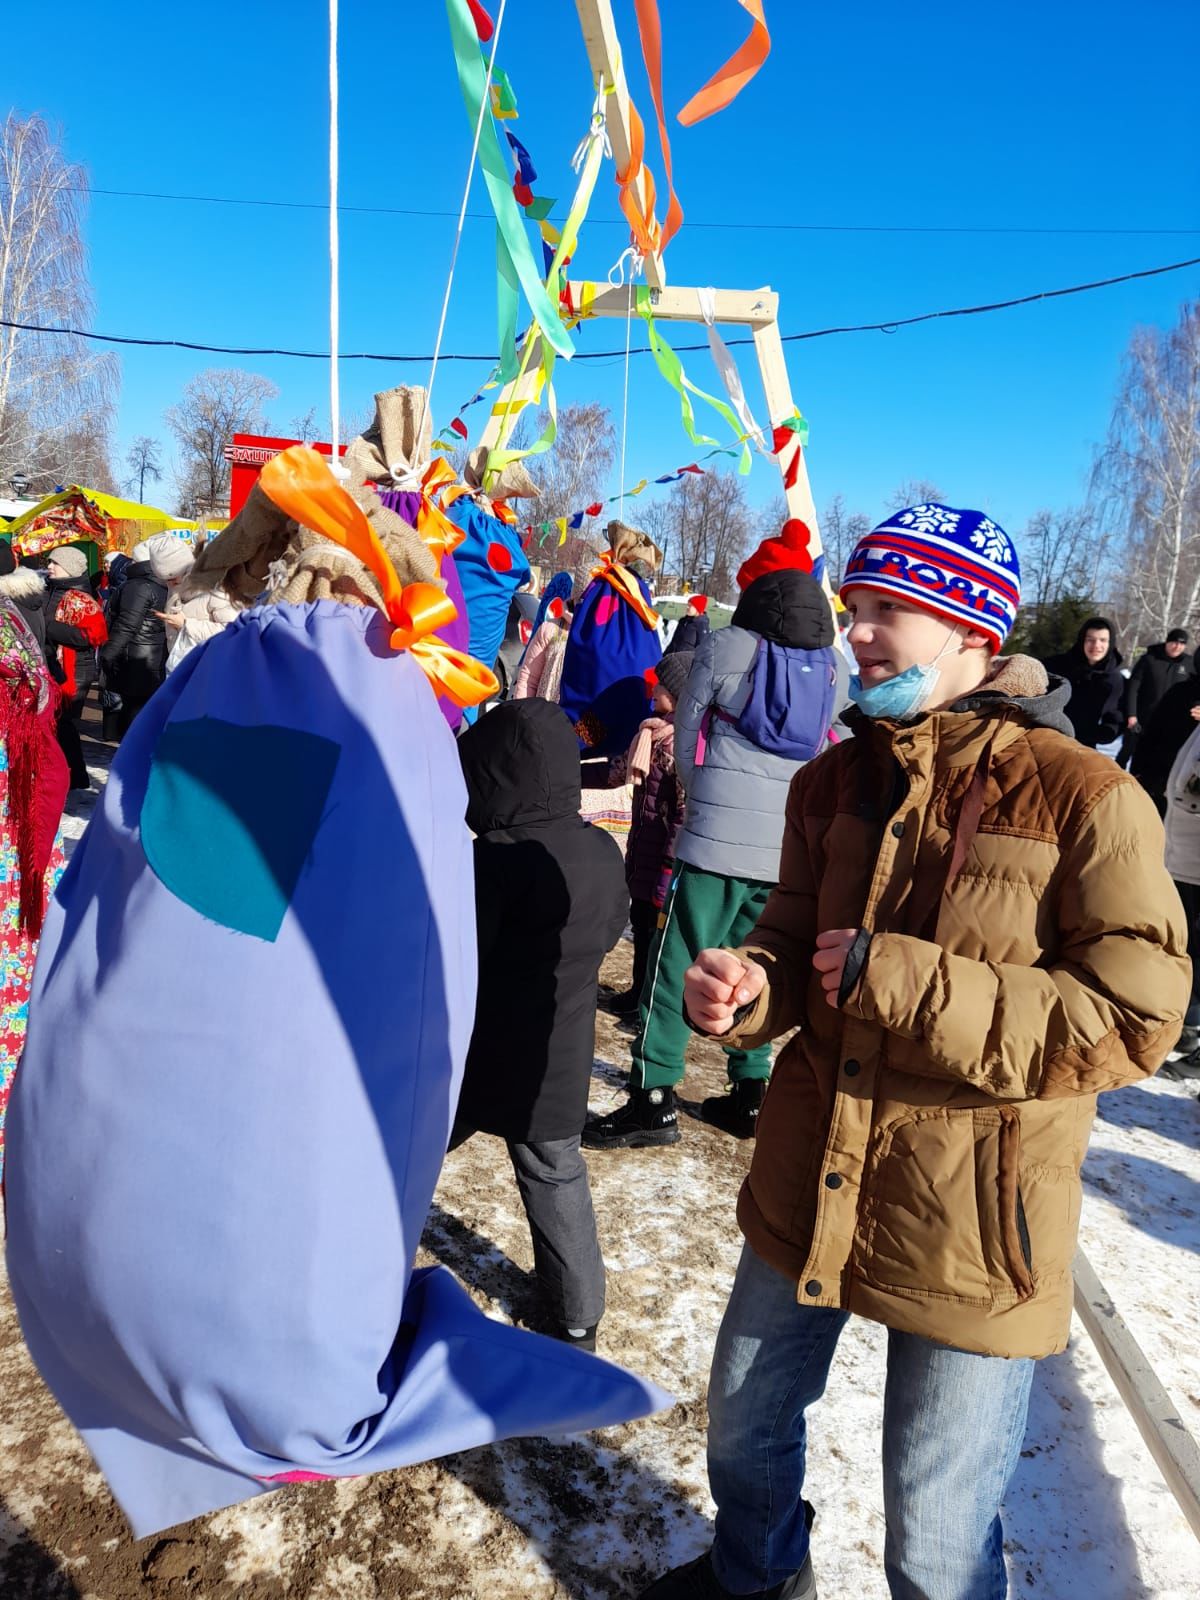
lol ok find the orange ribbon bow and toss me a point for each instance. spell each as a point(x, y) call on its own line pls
point(624, 582)
point(300, 482)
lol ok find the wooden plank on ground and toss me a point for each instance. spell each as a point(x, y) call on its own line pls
point(1175, 1452)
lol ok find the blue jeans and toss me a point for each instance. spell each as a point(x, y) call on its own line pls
point(952, 1430)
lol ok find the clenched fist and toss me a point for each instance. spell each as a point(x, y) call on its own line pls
point(716, 985)
point(829, 959)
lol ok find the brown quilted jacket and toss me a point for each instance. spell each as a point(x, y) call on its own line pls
point(919, 1149)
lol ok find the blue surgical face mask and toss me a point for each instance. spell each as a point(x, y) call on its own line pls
point(903, 697)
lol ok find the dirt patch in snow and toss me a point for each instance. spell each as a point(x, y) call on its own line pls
point(594, 1518)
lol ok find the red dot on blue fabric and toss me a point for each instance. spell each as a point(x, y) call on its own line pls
point(606, 609)
point(499, 559)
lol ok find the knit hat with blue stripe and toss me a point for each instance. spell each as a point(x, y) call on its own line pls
point(958, 564)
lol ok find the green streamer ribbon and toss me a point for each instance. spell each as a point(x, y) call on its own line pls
point(568, 242)
point(671, 368)
point(514, 253)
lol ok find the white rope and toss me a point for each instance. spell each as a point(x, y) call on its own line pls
point(462, 216)
point(335, 402)
point(625, 401)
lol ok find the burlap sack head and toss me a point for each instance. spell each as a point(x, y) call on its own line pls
point(514, 483)
point(236, 560)
point(630, 544)
point(316, 569)
point(398, 443)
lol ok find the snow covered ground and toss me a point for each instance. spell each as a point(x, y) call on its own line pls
point(1089, 1517)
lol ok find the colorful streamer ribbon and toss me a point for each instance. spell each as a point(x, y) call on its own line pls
point(650, 31)
point(671, 368)
point(299, 481)
point(514, 255)
point(728, 82)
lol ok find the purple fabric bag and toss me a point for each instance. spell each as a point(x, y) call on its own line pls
point(251, 1011)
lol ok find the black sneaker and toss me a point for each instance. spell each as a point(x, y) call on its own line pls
point(1182, 1068)
point(698, 1581)
point(622, 1006)
point(648, 1117)
point(1188, 1041)
point(737, 1111)
point(581, 1338)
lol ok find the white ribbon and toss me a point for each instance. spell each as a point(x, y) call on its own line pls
point(727, 367)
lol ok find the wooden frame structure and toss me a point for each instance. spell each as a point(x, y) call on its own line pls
point(756, 309)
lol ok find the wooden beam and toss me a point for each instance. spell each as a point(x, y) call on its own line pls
point(777, 388)
point(1157, 1416)
point(751, 308)
point(604, 54)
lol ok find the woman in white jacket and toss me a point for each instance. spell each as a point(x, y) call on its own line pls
point(1183, 863)
point(229, 576)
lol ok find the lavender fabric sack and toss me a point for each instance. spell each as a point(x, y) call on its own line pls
point(251, 1010)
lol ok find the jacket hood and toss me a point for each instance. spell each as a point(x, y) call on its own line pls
point(23, 584)
point(1024, 683)
point(521, 765)
point(788, 608)
point(1114, 657)
point(139, 569)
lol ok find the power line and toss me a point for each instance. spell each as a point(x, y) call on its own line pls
point(600, 355)
point(619, 222)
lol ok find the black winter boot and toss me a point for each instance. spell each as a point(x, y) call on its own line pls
point(648, 1117)
point(698, 1581)
point(737, 1111)
point(623, 1006)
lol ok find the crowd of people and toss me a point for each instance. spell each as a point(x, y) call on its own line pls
point(889, 844)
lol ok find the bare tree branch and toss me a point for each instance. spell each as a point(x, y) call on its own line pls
point(215, 405)
point(57, 397)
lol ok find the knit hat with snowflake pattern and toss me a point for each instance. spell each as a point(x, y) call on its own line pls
point(958, 564)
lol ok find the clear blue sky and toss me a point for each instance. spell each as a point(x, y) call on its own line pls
point(1061, 116)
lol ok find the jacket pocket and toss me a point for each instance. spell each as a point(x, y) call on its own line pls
point(923, 1234)
point(1015, 1242)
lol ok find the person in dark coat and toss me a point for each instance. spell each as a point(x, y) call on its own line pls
point(1160, 668)
point(550, 903)
point(75, 630)
point(691, 627)
point(1092, 666)
point(1163, 735)
point(134, 659)
point(659, 806)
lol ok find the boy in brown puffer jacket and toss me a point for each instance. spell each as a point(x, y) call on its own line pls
point(975, 934)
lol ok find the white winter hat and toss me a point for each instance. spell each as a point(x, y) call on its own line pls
point(169, 558)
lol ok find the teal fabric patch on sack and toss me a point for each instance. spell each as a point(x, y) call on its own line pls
point(230, 816)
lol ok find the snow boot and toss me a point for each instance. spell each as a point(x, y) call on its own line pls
point(737, 1111)
point(698, 1581)
point(648, 1117)
point(1188, 1041)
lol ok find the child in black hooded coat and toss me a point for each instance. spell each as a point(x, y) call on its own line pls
point(550, 903)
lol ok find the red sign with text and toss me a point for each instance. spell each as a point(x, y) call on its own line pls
point(249, 454)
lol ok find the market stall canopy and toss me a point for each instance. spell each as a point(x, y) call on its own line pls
point(106, 519)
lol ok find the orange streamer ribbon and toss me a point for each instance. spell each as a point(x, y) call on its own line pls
point(728, 82)
point(650, 30)
point(299, 482)
point(625, 584)
point(642, 222)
